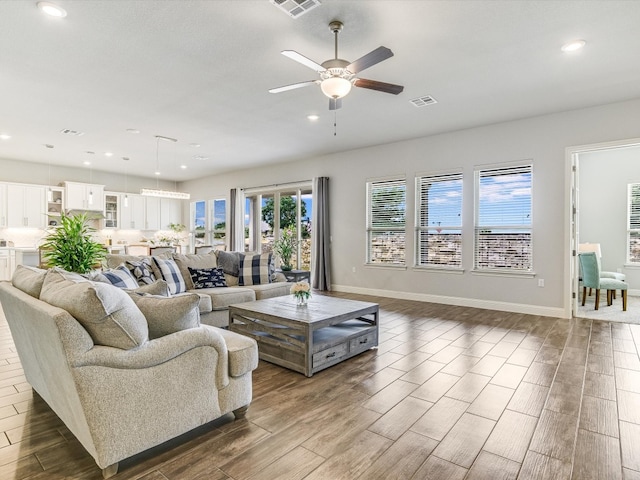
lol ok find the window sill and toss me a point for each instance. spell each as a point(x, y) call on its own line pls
point(631, 265)
point(503, 273)
point(431, 269)
point(388, 266)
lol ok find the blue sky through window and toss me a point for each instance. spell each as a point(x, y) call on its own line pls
point(505, 200)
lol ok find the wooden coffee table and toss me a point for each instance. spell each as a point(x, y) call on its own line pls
point(308, 338)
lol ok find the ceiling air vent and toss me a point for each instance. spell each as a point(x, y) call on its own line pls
point(68, 131)
point(423, 101)
point(295, 8)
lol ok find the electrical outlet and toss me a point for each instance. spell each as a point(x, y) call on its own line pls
point(353, 269)
point(541, 282)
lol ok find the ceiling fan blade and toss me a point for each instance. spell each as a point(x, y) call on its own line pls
point(370, 59)
point(379, 86)
point(335, 103)
point(293, 55)
point(293, 86)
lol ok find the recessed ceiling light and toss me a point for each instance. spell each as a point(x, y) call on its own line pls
point(573, 46)
point(156, 173)
point(183, 167)
point(4, 136)
point(86, 162)
point(133, 130)
point(194, 145)
point(313, 117)
point(200, 157)
point(108, 154)
point(52, 9)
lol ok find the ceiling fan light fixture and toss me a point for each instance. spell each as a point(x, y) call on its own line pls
point(335, 87)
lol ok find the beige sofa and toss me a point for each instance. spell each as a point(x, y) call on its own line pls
point(214, 302)
point(121, 399)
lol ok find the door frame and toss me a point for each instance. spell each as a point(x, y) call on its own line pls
point(572, 209)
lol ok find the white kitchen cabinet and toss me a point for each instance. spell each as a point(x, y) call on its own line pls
point(83, 196)
point(170, 212)
point(152, 209)
point(132, 215)
point(3, 205)
point(26, 206)
point(6, 264)
point(111, 210)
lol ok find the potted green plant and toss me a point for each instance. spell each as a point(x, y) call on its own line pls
point(70, 245)
point(285, 247)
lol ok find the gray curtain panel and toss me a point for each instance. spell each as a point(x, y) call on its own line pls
point(320, 235)
point(233, 228)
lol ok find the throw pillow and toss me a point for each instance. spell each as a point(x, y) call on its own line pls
point(229, 262)
point(166, 315)
point(106, 312)
point(171, 274)
point(142, 271)
point(187, 261)
point(159, 287)
point(255, 269)
point(207, 277)
point(29, 279)
point(121, 277)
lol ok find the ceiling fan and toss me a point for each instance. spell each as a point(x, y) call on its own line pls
point(337, 76)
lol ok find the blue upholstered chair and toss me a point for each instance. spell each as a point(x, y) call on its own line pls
point(590, 265)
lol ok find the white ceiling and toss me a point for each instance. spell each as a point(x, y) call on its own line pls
point(199, 71)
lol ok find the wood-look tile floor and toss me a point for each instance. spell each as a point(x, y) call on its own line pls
point(451, 393)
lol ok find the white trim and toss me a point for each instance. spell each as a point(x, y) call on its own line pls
point(504, 273)
point(456, 301)
point(434, 269)
point(276, 187)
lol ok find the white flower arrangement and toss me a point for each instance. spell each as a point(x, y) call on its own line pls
point(301, 290)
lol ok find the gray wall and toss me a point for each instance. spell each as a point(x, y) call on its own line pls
point(543, 139)
point(603, 179)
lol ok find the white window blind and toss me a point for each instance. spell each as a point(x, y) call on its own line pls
point(386, 212)
point(439, 223)
point(633, 229)
point(503, 219)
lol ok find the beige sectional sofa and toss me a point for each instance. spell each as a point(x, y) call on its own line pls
point(214, 302)
point(88, 349)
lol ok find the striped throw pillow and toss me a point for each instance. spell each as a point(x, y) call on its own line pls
point(254, 269)
point(171, 274)
point(121, 277)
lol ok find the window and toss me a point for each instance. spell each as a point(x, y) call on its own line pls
point(198, 219)
point(218, 221)
point(633, 228)
point(439, 222)
point(386, 209)
point(503, 219)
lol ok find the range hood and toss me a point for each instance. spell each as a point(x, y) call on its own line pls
point(91, 214)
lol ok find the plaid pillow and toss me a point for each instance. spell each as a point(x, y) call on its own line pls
point(207, 277)
point(171, 274)
point(142, 271)
point(121, 277)
point(254, 269)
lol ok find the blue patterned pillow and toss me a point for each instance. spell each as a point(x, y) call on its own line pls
point(254, 269)
point(142, 271)
point(121, 277)
point(171, 274)
point(207, 277)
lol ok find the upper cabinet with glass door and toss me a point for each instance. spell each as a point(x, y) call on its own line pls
point(111, 210)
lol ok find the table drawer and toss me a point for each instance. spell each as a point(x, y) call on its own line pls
point(329, 355)
point(364, 342)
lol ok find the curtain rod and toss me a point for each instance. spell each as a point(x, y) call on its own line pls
point(276, 186)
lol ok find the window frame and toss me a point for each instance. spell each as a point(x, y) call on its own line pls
point(211, 223)
point(630, 230)
point(420, 228)
point(371, 229)
point(514, 168)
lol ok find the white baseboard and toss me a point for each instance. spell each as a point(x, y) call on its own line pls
point(456, 301)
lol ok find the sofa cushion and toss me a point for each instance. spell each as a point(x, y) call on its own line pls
point(205, 305)
point(29, 279)
point(166, 315)
point(142, 270)
point(185, 262)
point(159, 287)
point(120, 277)
point(107, 313)
point(221, 298)
point(254, 269)
point(270, 290)
point(243, 354)
point(171, 274)
point(207, 277)
point(229, 262)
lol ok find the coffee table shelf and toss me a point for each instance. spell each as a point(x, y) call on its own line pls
point(310, 338)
